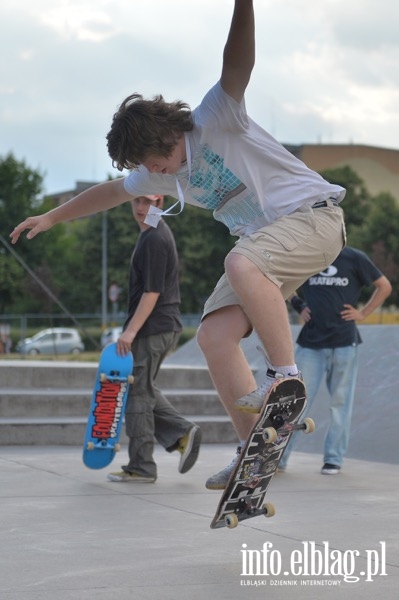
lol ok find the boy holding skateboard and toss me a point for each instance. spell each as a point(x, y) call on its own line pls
point(286, 216)
point(151, 331)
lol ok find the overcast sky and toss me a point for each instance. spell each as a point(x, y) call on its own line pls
point(326, 72)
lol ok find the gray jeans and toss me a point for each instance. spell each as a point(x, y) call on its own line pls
point(149, 414)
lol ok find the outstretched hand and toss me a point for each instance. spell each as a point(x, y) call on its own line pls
point(34, 224)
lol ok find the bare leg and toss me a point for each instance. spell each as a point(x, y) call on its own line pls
point(265, 306)
point(219, 337)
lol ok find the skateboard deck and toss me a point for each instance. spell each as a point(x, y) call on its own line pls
point(107, 408)
point(243, 497)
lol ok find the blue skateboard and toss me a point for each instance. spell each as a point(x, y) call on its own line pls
point(114, 374)
point(243, 497)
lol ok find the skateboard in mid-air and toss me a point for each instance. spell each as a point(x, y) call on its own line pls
point(114, 374)
point(243, 497)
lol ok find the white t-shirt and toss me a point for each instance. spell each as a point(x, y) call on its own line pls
point(237, 169)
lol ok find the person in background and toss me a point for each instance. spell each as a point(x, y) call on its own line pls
point(151, 331)
point(327, 345)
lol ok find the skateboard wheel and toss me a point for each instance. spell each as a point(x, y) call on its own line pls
point(130, 379)
point(90, 445)
point(269, 509)
point(231, 521)
point(269, 435)
point(117, 447)
point(309, 425)
point(103, 377)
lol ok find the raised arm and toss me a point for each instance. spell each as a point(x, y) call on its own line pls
point(239, 51)
point(96, 199)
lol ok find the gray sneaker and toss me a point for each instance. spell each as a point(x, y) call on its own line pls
point(254, 401)
point(130, 477)
point(219, 481)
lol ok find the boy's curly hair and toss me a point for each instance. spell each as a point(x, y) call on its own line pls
point(142, 128)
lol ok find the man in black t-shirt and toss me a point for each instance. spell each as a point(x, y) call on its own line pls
point(151, 331)
point(328, 341)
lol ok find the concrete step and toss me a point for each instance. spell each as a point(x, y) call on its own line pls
point(39, 403)
point(69, 431)
point(48, 402)
point(70, 375)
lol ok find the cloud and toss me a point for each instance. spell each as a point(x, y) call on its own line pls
point(325, 72)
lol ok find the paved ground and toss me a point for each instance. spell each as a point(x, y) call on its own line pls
point(68, 534)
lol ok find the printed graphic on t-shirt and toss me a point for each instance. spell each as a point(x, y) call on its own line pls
point(214, 186)
point(329, 277)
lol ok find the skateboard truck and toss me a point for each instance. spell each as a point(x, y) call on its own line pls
point(283, 428)
point(115, 376)
point(245, 506)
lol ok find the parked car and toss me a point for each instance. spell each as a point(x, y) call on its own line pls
point(57, 340)
point(110, 335)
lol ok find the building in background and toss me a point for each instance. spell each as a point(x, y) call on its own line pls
point(377, 167)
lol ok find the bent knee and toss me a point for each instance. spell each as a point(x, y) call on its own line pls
point(204, 334)
point(235, 263)
point(226, 325)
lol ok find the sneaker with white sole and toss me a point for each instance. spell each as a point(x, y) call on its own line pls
point(254, 401)
point(189, 446)
point(329, 469)
point(219, 480)
point(123, 476)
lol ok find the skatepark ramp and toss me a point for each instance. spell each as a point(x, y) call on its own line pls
point(375, 420)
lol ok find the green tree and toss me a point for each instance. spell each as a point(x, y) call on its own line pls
point(12, 277)
point(357, 202)
point(20, 187)
point(378, 237)
point(202, 244)
point(83, 258)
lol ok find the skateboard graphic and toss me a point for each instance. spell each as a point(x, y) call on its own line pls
point(114, 374)
point(243, 497)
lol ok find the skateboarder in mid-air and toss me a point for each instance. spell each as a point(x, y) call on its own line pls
point(286, 216)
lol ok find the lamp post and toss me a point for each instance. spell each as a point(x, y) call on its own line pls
point(104, 311)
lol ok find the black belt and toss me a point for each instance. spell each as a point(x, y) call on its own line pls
point(324, 203)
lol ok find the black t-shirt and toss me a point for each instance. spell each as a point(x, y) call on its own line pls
point(327, 292)
point(154, 267)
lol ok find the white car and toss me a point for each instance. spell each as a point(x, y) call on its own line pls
point(110, 335)
point(58, 340)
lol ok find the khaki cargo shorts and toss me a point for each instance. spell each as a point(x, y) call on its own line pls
point(288, 251)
